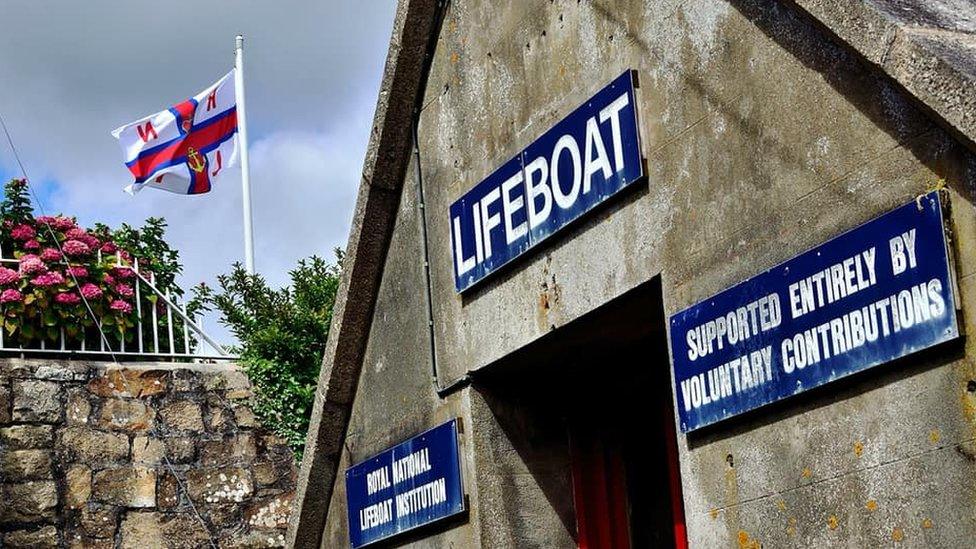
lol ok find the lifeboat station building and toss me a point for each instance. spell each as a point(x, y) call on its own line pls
point(682, 273)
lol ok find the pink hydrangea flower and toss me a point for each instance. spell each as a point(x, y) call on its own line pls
point(68, 298)
point(124, 290)
point(8, 276)
point(75, 247)
point(109, 248)
point(10, 295)
point(122, 306)
point(123, 272)
point(50, 254)
point(31, 264)
point(91, 241)
point(108, 279)
point(91, 291)
point(78, 271)
point(23, 232)
point(32, 244)
point(52, 278)
point(76, 233)
point(59, 223)
point(63, 223)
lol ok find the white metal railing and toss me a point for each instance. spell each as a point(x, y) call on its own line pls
point(174, 306)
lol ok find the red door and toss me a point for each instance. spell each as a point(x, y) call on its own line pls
point(626, 485)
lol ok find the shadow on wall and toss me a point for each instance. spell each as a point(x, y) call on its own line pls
point(877, 96)
point(889, 108)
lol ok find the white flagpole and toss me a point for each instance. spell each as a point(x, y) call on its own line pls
point(242, 141)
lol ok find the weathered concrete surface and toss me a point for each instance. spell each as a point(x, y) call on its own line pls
point(108, 455)
point(765, 135)
point(929, 47)
point(376, 206)
point(398, 349)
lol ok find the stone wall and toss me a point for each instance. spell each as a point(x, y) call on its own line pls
point(137, 455)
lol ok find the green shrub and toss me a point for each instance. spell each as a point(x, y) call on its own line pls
point(282, 333)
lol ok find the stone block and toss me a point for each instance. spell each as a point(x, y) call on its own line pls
point(99, 521)
point(219, 484)
point(226, 380)
point(126, 486)
point(36, 401)
point(88, 445)
point(26, 437)
point(147, 450)
point(122, 382)
point(78, 541)
point(147, 529)
point(58, 370)
point(269, 513)
point(22, 465)
point(181, 449)
point(77, 486)
point(5, 403)
point(126, 415)
point(249, 539)
point(239, 394)
point(150, 450)
point(41, 538)
point(29, 502)
point(230, 449)
point(168, 492)
point(225, 515)
point(182, 415)
point(245, 417)
point(185, 381)
point(220, 419)
point(265, 473)
point(77, 408)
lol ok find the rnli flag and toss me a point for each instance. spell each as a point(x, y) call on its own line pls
point(186, 147)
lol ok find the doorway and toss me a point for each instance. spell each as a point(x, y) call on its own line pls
point(588, 410)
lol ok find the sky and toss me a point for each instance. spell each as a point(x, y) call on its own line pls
point(71, 72)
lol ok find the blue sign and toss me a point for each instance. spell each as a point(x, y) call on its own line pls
point(412, 484)
point(582, 161)
point(876, 293)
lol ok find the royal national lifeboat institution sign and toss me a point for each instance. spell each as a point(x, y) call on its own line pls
point(581, 162)
point(416, 483)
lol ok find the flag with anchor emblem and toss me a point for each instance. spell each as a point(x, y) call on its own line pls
point(183, 149)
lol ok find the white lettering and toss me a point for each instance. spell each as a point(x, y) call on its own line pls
point(567, 143)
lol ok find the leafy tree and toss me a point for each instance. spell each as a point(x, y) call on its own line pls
point(282, 334)
point(16, 207)
point(148, 243)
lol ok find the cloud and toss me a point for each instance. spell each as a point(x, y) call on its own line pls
point(73, 71)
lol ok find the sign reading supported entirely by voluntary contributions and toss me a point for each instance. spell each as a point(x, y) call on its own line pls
point(582, 161)
point(869, 296)
point(415, 483)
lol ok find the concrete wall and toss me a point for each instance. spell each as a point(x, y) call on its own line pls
point(101, 455)
point(764, 136)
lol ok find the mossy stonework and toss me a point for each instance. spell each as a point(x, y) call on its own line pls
point(94, 454)
point(768, 128)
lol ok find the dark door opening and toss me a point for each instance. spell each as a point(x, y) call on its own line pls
point(589, 406)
